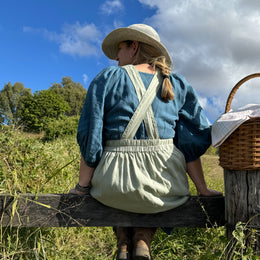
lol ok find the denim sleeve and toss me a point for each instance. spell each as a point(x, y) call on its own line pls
point(90, 127)
point(193, 136)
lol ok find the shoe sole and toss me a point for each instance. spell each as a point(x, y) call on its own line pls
point(141, 254)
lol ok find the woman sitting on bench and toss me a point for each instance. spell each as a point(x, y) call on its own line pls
point(141, 129)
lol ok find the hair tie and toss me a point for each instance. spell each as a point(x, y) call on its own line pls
point(165, 76)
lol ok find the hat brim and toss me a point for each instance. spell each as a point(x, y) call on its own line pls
point(112, 40)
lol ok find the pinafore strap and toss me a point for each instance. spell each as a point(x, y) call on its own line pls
point(144, 110)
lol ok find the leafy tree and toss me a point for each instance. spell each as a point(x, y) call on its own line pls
point(11, 101)
point(72, 92)
point(42, 107)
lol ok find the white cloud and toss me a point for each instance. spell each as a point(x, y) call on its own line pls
point(75, 39)
point(81, 40)
point(27, 29)
point(213, 44)
point(85, 78)
point(110, 7)
point(203, 101)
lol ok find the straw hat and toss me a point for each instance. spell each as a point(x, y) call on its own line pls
point(136, 32)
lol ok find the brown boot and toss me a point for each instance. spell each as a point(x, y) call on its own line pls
point(142, 240)
point(123, 235)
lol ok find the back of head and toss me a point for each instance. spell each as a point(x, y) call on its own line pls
point(150, 51)
point(137, 32)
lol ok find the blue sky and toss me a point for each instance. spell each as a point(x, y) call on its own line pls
point(213, 43)
point(35, 46)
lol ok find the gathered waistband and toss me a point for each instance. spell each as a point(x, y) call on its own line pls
point(137, 144)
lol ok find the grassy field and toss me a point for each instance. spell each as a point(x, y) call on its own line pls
point(30, 165)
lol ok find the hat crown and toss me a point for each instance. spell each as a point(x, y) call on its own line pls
point(146, 29)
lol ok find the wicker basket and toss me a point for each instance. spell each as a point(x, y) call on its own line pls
point(241, 150)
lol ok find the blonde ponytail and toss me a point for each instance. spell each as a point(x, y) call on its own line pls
point(167, 93)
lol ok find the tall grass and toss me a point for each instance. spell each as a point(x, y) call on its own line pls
point(30, 165)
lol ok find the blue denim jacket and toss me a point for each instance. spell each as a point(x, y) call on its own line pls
point(111, 101)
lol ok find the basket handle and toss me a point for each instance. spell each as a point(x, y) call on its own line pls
point(236, 87)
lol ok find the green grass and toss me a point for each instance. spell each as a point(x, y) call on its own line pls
point(30, 165)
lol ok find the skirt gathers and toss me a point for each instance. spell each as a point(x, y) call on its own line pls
point(141, 176)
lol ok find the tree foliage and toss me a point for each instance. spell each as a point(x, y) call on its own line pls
point(72, 92)
point(11, 101)
point(40, 108)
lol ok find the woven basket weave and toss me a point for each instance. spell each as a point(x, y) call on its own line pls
point(241, 150)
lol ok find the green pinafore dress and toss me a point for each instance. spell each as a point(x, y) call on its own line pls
point(141, 176)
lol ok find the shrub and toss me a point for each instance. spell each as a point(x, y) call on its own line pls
point(60, 128)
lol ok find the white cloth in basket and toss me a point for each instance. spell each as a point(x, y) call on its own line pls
point(227, 123)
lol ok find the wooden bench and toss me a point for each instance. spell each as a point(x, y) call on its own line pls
point(68, 210)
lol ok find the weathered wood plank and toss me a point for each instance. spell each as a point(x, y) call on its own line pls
point(242, 197)
point(67, 210)
point(242, 200)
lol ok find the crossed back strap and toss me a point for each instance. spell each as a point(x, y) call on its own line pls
point(144, 110)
